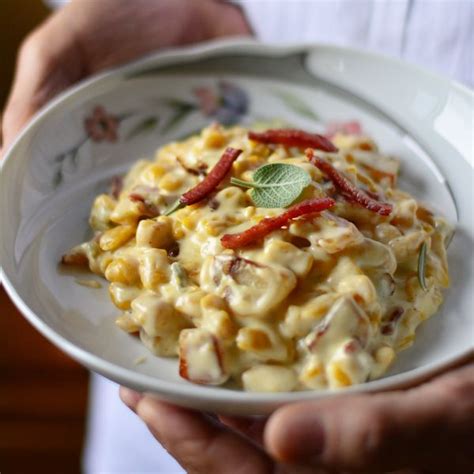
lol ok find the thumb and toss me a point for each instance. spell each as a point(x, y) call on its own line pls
point(429, 427)
point(49, 61)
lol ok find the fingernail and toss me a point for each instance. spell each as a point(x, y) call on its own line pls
point(130, 397)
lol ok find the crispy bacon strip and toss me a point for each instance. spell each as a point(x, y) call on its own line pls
point(213, 179)
point(148, 209)
point(269, 224)
point(116, 186)
point(349, 190)
point(290, 137)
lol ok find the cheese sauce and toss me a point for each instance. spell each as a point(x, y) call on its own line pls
point(325, 302)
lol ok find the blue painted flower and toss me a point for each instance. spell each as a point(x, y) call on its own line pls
point(226, 105)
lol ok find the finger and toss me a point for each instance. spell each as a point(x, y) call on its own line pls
point(130, 397)
point(251, 428)
point(198, 443)
point(430, 427)
point(49, 61)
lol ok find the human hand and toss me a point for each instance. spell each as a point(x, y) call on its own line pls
point(85, 37)
point(429, 428)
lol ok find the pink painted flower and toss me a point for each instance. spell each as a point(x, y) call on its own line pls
point(101, 126)
point(208, 100)
point(348, 128)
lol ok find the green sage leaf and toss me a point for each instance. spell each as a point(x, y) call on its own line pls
point(276, 184)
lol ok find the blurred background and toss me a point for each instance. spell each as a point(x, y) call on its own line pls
point(43, 393)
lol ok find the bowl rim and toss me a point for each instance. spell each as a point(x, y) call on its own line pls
point(192, 391)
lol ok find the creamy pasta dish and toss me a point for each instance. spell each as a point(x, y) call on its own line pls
point(272, 260)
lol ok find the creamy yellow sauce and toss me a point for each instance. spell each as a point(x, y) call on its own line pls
point(324, 302)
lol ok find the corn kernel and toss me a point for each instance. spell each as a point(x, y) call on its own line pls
point(153, 173)
point(210, 302)
point(220, 324)
point(312, 374)
point(126, 212)
point(105, 259)
point(101, 210)
point(170, 182)
point(249, 211)
point(212, 229)
point(122, 296)
point(213, 137)
point(384, 356)
point(251, 339)
point(338, 376)
point(406, 342)
point(116, 237)
point(189, 222)
point(178, 231)
point(123, 271)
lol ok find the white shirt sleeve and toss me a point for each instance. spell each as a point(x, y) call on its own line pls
point(438, 35)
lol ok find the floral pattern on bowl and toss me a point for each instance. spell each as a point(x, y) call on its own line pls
point(225, 102)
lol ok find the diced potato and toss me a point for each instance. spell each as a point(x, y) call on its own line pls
point(154, 268)
point(301, 319)
point(383, 357)
point(157, 317)
point(269, 378)
point(360, 287)
point(329, 232)
point(189, 303)
point(344, 267)
point(161, 346)
point(221, 324)
point(126, 211)
point(406, 246)
point(348, 366)
point(404, 212)
point(126, 323)
point(427, 302)
point(385, 232)
point(233, 197)
point(155, 233)
point(250, 288)
point(262, 343)
point(374, 255)
point(201, 359)
point(313, 374)
point(213, 302)
point(344, 319)
point(288, 256)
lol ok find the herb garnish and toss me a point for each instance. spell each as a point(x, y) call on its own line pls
point(276, 184)
point(422, 266)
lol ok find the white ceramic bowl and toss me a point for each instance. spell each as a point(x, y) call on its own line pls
point(57, 165)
